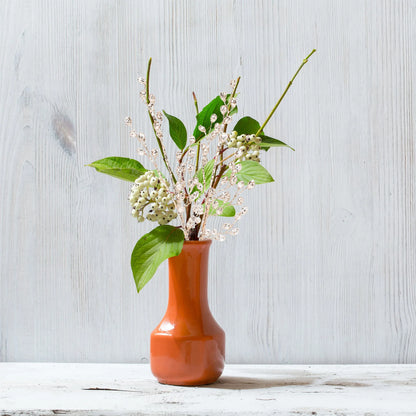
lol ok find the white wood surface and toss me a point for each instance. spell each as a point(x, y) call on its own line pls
point(324, 269)
point(122, 389)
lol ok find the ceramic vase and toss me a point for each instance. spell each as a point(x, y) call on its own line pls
point(187, 347)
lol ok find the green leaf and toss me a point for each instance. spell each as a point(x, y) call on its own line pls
point(267, 142)
point(251, 170)
point(247, 125)
point(177, 130)
point(119, 167)
point(152, 249)
point(203, 117)
point(227, 209)
point(208, 168)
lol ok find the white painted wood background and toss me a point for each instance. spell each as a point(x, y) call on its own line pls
point(324, 269)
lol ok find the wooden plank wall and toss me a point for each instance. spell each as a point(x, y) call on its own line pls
point(324, 269)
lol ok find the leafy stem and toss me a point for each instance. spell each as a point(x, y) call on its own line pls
point(223, 169)
point(217, 177)
point(232, 96)
point(284, 93)
point(149, 64)
point(195, 102)
point(195, 231)
point(164, 157)
point(228, 110)
point(198, 150)
point(228, 157)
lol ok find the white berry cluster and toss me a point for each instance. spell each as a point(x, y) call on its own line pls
point(248, 145)
point(149, 191)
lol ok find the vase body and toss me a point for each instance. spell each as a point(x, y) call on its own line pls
point(187, 347)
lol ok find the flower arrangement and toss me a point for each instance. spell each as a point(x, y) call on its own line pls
point(213, 169)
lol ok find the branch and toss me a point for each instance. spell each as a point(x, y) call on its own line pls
point(164, 157)
point(284, 93)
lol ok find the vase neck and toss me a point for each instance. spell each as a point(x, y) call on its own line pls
point(188, 278)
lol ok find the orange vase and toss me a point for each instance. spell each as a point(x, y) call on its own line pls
point(187, 347)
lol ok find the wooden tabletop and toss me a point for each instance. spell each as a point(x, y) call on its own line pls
point(130, 389)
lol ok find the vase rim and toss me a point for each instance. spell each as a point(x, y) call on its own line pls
point(197, 242)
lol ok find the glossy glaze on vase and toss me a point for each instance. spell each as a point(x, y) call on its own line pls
point(187, 347)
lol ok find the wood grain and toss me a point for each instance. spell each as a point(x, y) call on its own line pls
point(47, 389)
point(324, 268)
